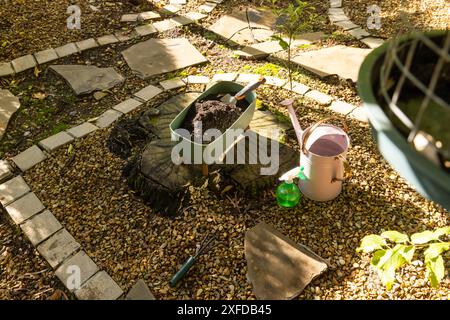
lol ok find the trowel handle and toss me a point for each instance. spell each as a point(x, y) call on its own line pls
point(187, 265)
point(249, 88)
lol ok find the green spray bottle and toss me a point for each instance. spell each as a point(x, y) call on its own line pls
point(288, 194)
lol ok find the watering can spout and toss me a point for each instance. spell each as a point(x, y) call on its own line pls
point(297, 128)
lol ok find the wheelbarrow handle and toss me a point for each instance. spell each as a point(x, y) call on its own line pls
point(187, 265)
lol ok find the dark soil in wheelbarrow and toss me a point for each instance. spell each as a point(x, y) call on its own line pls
point(212, 113)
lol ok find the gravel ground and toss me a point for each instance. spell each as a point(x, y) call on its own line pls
point(128, 240)
point(401, 16)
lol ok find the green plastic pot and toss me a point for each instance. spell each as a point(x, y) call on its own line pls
point(224, 141)
point(428, 179)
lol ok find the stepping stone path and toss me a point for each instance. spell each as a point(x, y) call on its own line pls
point(278, 268)
point(341, 60)
point(9, 104)
point(150, 57)
point(86, 79)
point(229, 25)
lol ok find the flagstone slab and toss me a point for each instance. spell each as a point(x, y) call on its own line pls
point(319, 97)
point(157, 56)
point(372, 42)
point(224, 77)
point(107, 118)
point(129, 17)
point(359, 33)
point(346, 25)
point(80, 261)
point(9, 104)
point(24, 208)
point(12, 190)
point(171, 8)
point(6, 69)
point(145, 30)
point(195, 16)
point(29, 158)
point(231, 24)
point(279, 268)
point(207, 7)
point(172, 84)
point(86, 79)
point(274, 81)
point(127, 105)
point(58, 248)
point(148, 15)
point(107, 39)
point(148, 93)
point(196, 80)
point(297, 87)
point(341, 60)
point(40, 227)
point(45, 56)
point(335, 3)
point(99, 287)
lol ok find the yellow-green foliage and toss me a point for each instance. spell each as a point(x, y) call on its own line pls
point(269, 69)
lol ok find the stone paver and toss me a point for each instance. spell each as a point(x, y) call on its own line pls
point(236, 24)
point(166, 25)
point(372, 42)
point(6, 69)
point(86, 44)
point(66, 50)
point(23, 63)
point(125, 36)
point(171, 8)
point(335, 3)
point(195, 16)
point(127, 105)
point(82, 130)
point(338, 17)
point(224, 77)
point(100, 287)
point(12, 190)
point(172, 84)
point(107, 39)
point(148, 15)
point(45, 56)
point(24, 208)
point(5, 170)
point(148, 93)
point(248, 77)
point(359, 33)
point(86, 79)
point(346, 25)
point(207, 7)
point(145, 30)
point(341, 60)
point(196, 80)
point(297, 87)
point(58, 248)
point(107, 118)
point(80, 260)
point(54, 142)
point(41, 227)
point(336, 11)
point(182, 20)
point(319, 97)
point(140, 291)
point(29, 158)
point(274, 81)
point(177, 2)
point(9, 104)
point(279, 268)
point(156, 56)
point(129, 17)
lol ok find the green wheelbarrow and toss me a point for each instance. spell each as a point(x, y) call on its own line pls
point(192, 152)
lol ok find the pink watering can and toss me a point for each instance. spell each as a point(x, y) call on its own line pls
point(323, 155)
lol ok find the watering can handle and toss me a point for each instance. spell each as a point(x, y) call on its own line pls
point(307, 133)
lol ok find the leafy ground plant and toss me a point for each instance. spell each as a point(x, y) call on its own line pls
point(392, 250)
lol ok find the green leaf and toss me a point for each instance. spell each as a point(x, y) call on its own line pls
point(442, 231)
point(377, 257)
point(387, 277)
point(371, 242)
point(436, 249)
point(70, 149)
point(436, 270)
point(395, 236)
point(407, 253)
point(423, 237)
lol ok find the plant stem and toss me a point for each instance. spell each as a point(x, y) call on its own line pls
point(291, 35)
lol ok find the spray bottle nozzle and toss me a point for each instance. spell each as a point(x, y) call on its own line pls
point(292, 174)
